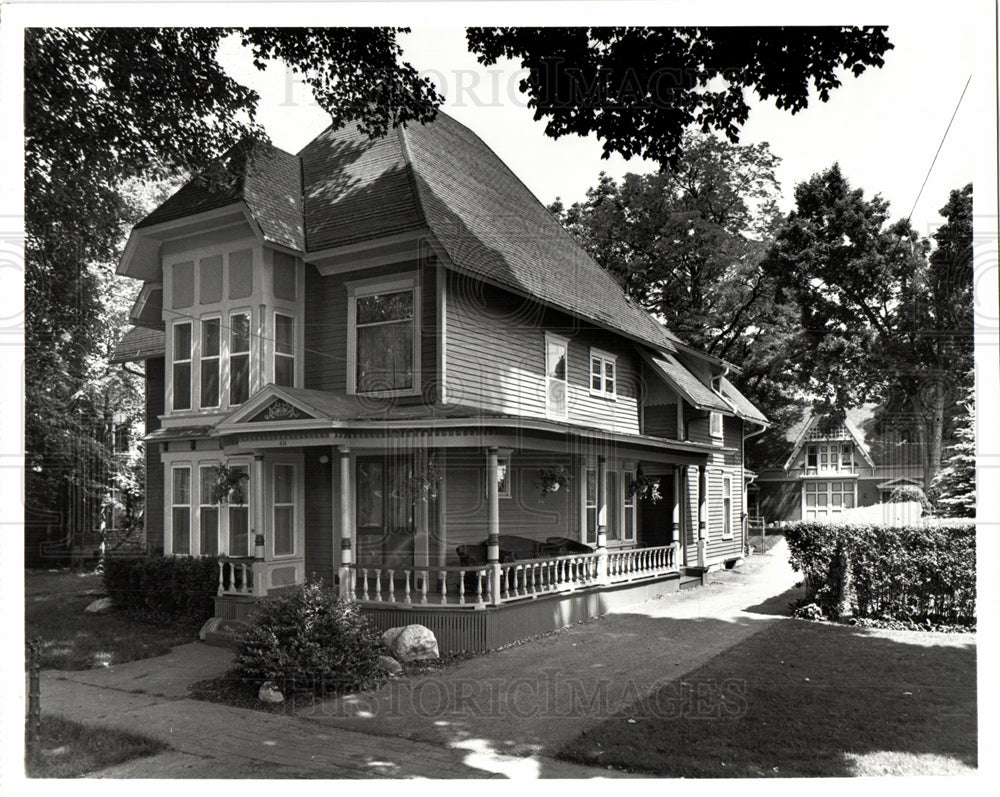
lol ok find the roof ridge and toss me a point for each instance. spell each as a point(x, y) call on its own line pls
point(411, 173)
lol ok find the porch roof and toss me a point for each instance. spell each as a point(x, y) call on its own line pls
point(682, 381)
point(139, 343)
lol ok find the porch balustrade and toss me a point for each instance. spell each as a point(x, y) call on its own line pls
point(520, 580)
point(238, 576)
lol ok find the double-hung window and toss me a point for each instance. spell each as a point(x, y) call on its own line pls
point(208, 511)
point(284, 350)
point(384, 339)
point(556, 376)
point(211, 351)
point(239, 513)
point(716, 424)
point(239, 358)
point(727, 506)
point(180, 514)
point(602, 374)
point(182, 366)
point(284, 509)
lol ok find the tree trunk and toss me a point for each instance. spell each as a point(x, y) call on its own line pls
point(936, 434)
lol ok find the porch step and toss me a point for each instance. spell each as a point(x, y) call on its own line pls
point(691, 580)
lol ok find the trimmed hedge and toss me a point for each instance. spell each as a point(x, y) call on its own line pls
point(306, 640)
point(163, 587)
point(922, 573)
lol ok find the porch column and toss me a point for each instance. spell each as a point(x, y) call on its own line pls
point(493, 521)
point(675, 515)
point(702, 515)
point(602, 519)
point(346, 570)
point(257, 526)
point(421, 518)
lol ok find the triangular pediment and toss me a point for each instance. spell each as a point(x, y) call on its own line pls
point(279, 410)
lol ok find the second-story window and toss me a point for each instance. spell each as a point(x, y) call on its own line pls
point(284, 350)
point(182, 366)
point(239, 358)
point(556, 360)
point(210, 355)
point(384, 339)
point(811, 457)
point(602, 374)
point(716, 424)
point(846, 462)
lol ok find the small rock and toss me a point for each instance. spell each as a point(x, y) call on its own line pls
point(411, 643)
point(269, 693)
point(390, 665)
point(100, 606)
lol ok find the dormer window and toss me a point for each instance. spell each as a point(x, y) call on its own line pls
point(603, 380)
point(384, 337)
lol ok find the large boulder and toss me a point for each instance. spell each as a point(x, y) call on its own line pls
point(411, 643)
point(100, 606)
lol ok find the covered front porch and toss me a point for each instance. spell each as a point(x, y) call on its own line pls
point(456, 523)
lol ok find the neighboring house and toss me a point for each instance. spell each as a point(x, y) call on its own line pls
point(399, 355)
point(833, 467)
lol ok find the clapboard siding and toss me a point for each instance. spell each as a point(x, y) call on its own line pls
point(326, 326)
point(495, 350)
point(524, 514)
point(318, 514)
point(153, 516)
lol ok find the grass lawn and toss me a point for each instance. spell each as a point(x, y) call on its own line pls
point(805, 699)
point(68, 749)
point(54, 603)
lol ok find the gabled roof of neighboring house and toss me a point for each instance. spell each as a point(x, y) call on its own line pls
point(139, 343)
point(266, 178)
point(853, 422)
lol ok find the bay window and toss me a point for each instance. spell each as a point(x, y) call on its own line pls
point(239, 358)
point(383, 336)
point(208, 511)
point(284, 350)
point(211, 352)
point(180, 513)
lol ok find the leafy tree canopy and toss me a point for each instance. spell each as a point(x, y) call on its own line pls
point(638, 89)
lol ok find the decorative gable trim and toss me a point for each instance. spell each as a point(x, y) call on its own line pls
point(804, 436)
point(272, 406)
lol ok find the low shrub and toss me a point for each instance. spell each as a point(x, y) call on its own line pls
point(308, 641)
point(909, 492)
point(925, 572)
point(163, 587)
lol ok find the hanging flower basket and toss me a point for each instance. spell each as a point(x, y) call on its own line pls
point(421, 485)
point(551, 480)
point(228, 485)
point(645, 488)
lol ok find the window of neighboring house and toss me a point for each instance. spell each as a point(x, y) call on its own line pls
point(208, 512)
point(239, 514)
point(602, 374)
point(715, 422)
point(846, 460)
point(811, 456)
point(727, 506)
point(239, 358)
point(556, 384)
point(180, 515)
point(629, 506)
point(591, 505)
point(284, 350)
point(182, 366)
point(384, 337)
point(210, 355)
point(284, 509)
point(503, 478)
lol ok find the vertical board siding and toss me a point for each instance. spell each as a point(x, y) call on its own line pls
point(153, 514)
point(496, 358)
point(326, 326)
point(318, 514)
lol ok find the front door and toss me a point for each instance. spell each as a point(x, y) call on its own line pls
point(385, 509)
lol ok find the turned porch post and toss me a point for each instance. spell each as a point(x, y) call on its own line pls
point(257, 527)
point(493, 521)
point(602, 519)
point(702, 515)
point(346, 570)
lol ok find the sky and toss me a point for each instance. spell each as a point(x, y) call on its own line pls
point(882, 127)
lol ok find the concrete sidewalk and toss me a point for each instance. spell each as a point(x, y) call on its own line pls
point(503, 714)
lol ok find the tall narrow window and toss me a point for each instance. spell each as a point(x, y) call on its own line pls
point(284, 510)
point(385, 341)
point(210, 352)
point(591, 503)
point(208, 512)
point(239, 358)
point(180, 515)
point(846, 462)
point(284, 350)
point(629, 531)
point(716, 424)
point(182, 366)
point(556, 356)
point(239, 514)
point(811, 456)
point(614, 509)
point(727, 506)
point(602, 374)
